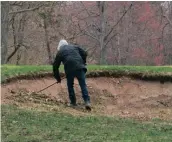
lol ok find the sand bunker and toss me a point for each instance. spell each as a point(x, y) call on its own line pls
point(109, 96)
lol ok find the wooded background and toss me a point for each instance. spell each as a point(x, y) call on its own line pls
point(113, 33)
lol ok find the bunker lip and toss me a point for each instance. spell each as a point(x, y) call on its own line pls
point(110, 96)
point(147, 76)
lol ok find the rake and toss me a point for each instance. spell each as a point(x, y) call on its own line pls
point(49, 86)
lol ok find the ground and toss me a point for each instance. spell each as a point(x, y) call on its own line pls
point(110, 96)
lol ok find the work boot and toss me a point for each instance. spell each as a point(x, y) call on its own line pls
point(87, 106)
point(73, 105)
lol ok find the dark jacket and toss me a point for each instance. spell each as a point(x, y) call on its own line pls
point(73, 58)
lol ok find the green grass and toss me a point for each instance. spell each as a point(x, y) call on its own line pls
point(12, 70)
point(154, 69)
point(20, 125)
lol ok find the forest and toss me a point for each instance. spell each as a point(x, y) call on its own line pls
point(113, 33)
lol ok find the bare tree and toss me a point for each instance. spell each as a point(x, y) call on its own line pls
point(45, 17)
point(167, 29)
point(100, 30)
point(134, 33)
point(46, 14)
point(18, 35)
point(4, 30)
point(18, 14)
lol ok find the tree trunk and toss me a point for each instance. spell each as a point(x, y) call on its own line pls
point(118, 52)
point(18, 35)
point(18, 58)
point(170, 32)
point(4, 30)
point(47, 42)
point(102, 34)
point(118, 43)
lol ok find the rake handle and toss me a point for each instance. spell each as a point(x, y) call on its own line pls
point(49, 86)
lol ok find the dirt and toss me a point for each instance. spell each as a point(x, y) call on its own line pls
point(109, 96)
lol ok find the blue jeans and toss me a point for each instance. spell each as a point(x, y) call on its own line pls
point(80, 75)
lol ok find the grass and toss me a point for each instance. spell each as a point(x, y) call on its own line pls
point(12, 70)
point(8, 71)
point(154, 69)
point(22, 125)
point(33, 126)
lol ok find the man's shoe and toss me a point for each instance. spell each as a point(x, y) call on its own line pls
point(72, 105)
point(88, 106)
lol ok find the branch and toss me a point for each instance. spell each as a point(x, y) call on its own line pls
point(162, 33)
point(93, 51)
point(63, 35)
point(88, 13)
point(71, 37)
point(14, 51)
point(25, 10)
point(85, 8)
point(26, 46)
point(110, 39)
point(88, 34)
point(74, 36)
point(168, 19)
point(118, 21)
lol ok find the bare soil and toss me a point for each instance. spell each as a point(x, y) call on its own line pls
point(109, 96)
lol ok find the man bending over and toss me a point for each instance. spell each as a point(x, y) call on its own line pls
point(74, 60)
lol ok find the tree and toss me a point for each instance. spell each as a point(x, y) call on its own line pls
point(93, 22)
point(18, 34)
point(166, 13)
point(4, 30)
point(17, 25)
point(132, 33)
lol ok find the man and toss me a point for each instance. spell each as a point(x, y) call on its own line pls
point(74, 60)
